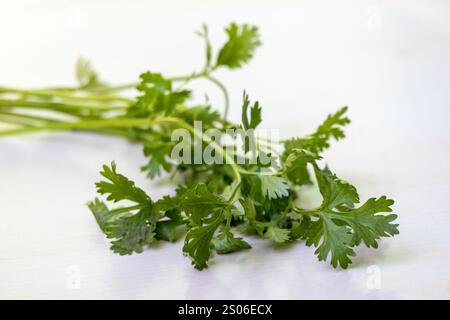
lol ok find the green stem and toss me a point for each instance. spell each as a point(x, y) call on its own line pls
point(225, 95)
point(230, 202)
point(82, 125)
point(206, 74)
point(69, 93)
point(233, 194)
point(68, 109)
point(195, 75)
point(306, 212)
point(55, 105)
point(23, 119)
point(122, 87)
point(59, 94)
point(126, 123)
point(132, 85)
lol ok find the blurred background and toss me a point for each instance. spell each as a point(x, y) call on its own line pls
point(387, 60)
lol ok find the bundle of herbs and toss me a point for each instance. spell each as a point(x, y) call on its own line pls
point(251, 190)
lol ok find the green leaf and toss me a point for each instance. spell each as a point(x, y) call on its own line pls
point(249, 208)
point(277, 234)
point(167, 230)
point(101, 213)
point(339, 226)
point(255, 114)
point(157, 97)
point(198, 202)
point(320, 140)
point(329, 238)
point(335, 192)
point(240, 47)
point(273, 187)
point(295, 165)
point(167, 203)
point(198, 239)
point(130, 231)
point(159, 152)
point(226, 242)
point(303, 155)
point(315, 143)
point(208, 117)
point(86, 75)
point(367, 225)
point(154, 81)
point(120, 187)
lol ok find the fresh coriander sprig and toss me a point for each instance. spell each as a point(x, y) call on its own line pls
point(215, 201)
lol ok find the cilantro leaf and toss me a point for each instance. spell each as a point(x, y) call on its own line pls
point(226, 242)
point(240, 47)
point(208, 117)
point(277, 234)
point(335, 192)
point(157, 96)
point(273, 187)
point(101, 213)
point(249, 208)
point(120, 187)
point(86, 75)
point(367, 225)
point(339, 226)
point(329, 237)
point(130, 231)
point(158, 151)
point(198, 202)
point(320, 140)
point(167, 230)
point(167, 203)
point(198, 239)
point(168, 207)
point(255, 114)
point(314, 143)
point(295, 165)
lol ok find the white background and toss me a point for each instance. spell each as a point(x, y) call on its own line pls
point(387, 60)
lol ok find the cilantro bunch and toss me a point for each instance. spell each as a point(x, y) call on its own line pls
point(215, 205)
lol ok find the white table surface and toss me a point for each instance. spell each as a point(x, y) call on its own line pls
point(387, 60)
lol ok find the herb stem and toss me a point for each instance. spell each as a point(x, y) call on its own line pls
point(96, 124)
point(84, 124)
point(305, 212)
point(56, 106)
point(225, 95)
point(70, 93)
point(132, 85)
point(22, 119)
point(233, 194)
point(63, 95)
